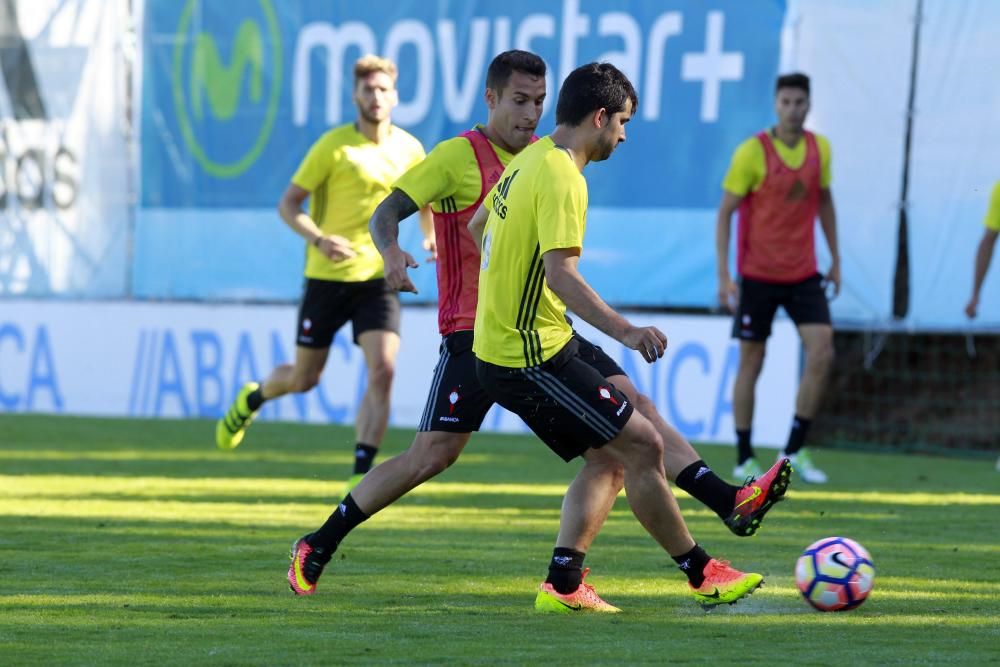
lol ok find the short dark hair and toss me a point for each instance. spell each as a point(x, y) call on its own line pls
point(509, 62)
point(590, 87)
point(794, 80)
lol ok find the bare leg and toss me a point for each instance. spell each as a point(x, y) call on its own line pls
point(380, 349)
point(817, 339)
point(589, 500)
point(430, 454)
point(751, 363)
point(640, 450)
point(296, 378)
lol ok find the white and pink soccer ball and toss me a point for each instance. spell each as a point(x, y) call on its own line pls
point(835, 574)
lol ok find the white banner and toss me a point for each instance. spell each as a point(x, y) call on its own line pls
point(185, 360)
point(64, 173)
point(857, 54)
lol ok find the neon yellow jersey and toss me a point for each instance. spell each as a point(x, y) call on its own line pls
point(347, 176)
point(747, 170)
point(992, 219)
point(449, 170)
point(539, 204)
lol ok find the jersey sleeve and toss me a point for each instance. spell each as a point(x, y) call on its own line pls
point(315, 167)
point(561, 207)
point(746, 169)
point(992, 219)
point(435, 177)
point(825, 162)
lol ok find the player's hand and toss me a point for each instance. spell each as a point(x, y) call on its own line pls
point(397, 261)
point(728, 294)
point(972, 308)
point(650, 342)
point(430, 245)
point(832, 277)
point(336, 248)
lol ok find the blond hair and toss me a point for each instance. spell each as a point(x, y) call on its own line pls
point(370, 64)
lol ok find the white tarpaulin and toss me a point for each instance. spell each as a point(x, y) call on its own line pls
point(64, 172)
point(858, 55)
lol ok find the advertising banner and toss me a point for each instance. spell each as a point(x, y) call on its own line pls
point(234, 93)
point(189, 360)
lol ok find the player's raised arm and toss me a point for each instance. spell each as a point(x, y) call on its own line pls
point(384, 228)
point(563, 278)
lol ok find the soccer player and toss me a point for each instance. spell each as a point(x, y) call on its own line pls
point(347, 172)
point(779, 180)
point(456, 176)
point(527, 357)
point(984, 254)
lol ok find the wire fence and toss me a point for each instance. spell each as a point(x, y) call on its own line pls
point(934, 393)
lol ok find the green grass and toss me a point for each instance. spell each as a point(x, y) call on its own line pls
point(136, 542)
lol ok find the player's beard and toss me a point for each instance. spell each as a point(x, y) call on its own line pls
point(369, 117)
point(606, 148)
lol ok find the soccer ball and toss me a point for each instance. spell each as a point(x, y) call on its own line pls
point(835, 574)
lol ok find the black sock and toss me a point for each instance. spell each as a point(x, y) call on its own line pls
point(693, 565)
point(744, 450)
point(566, 569)
point(343, 520)
point(797, 436)
point(704, 485)
point(255, 399)
point(364, 456)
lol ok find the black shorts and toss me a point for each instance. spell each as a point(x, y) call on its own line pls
point(566, 401)
point(327, 305)
point(805, 302)
point(457, 402)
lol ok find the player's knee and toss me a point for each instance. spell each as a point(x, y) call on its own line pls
point(607, 468)
point(647, 445)
point(820, 356)
point(752, 360)
point(380, 377)
point(434, 454)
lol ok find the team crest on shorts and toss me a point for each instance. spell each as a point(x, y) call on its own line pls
point(605, 395)
point(453, 398)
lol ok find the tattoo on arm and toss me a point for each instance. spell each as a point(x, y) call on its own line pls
point(384, 226)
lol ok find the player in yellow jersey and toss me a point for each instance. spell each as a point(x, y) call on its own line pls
point(529, 360)
point(984, 253)
point(346, 173)
point(455, 177)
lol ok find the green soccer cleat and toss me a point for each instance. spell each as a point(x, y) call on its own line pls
point(584, 598)
point(229, 430)
point(724, 585)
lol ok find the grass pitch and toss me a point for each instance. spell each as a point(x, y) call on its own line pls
point(136, 542)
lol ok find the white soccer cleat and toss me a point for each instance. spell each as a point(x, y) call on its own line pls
point(749, 468)
point(804, 467)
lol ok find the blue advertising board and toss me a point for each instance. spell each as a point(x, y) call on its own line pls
point(235, 92)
